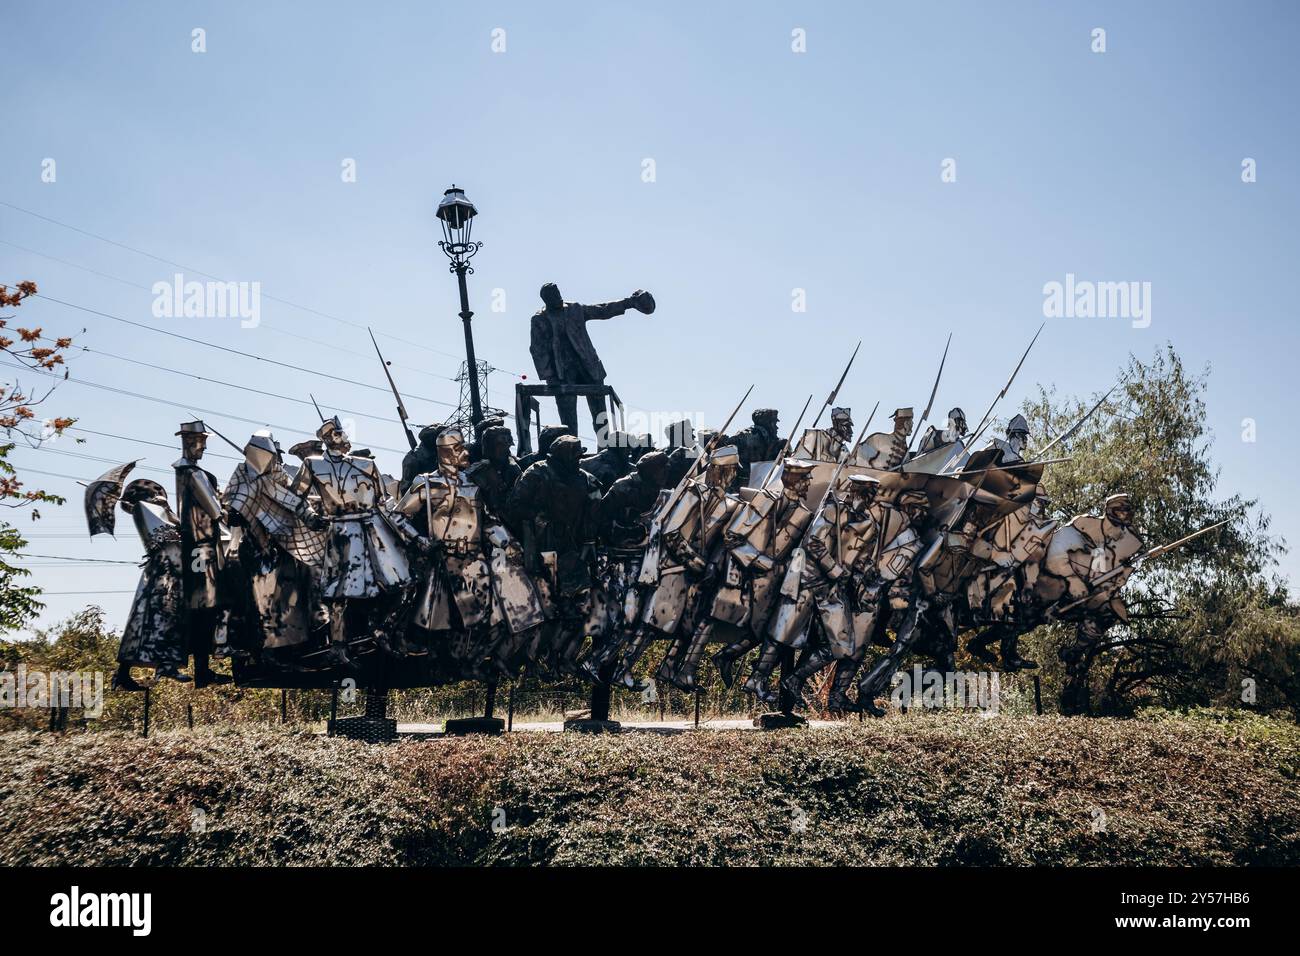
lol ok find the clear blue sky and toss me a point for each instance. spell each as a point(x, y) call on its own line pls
point(775, 171)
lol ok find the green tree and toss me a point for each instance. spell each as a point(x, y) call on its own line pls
point(1204, 615)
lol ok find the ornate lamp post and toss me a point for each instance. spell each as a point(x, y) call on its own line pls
point(457, 214)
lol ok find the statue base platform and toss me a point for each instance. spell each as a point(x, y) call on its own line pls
point(779, 720)
point(587, 726)
point(463, 726)
point(372, 730)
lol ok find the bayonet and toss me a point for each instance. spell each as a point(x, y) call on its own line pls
point(830, 399)
point(401, 408)
point(979, 429)
point(218, 434)
point(930, 404)
point(318, 411)
point(649, 573)
point(1137, 560)
point(1077, 425)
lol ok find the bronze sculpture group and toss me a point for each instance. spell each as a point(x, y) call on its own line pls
point(825, 550)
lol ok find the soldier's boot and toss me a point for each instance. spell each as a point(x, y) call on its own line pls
point(204, 675)
point(763, 667)
point(978, 646)
point(1011, 659)
point(684, 676)
point(668, 666)
point(793, 682)
point(122, 679)
point(566, 659)
point(631, 654)
point(172, 672)
point(336, 655)
point(725, 660)
point(837, 702)
point(601, 657)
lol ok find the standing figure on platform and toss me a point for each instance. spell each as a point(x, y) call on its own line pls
point(203, 544)
point(837, 547)
point(554, 504)
point(276, 552)
point(563, 353)
point(885, 451)
point(760, 541)
point(825, 444)
point(364, 560)
point(679, 569)
point(154, 634)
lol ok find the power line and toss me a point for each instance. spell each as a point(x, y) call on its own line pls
point(83, 593)
point(233, 351)
point(269, 328)
point(194, 408)
point(185, 268)
point(245, 388)
point(145, 441)
point(59, 557)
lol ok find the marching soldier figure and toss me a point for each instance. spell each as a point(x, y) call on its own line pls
point(545, 438)
point(758, 442)
point(154, 635)
point(555, 504)
point(938, 437)
point(463, 593)
point(1013, 447)
point(825, 444)
point(682, 450)
point(277, 552)
point(420, 459)
point(839, 542)
point(895, 591)
point(363, 555)
point(679, 567)
point(497, 471)
point(760, 540)
point(885, 451)
point(622, 523)
point(202, 553)
point(613, 461)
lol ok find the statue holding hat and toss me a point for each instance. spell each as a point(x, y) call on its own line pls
point(562, 350)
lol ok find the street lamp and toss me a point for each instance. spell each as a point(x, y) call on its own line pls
point(457, 214)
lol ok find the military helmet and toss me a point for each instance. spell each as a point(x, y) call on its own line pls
point(1018, 426)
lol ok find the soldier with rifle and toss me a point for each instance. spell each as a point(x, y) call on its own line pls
point(759, 540)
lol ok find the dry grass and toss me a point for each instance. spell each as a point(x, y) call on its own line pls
point(923, 789)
